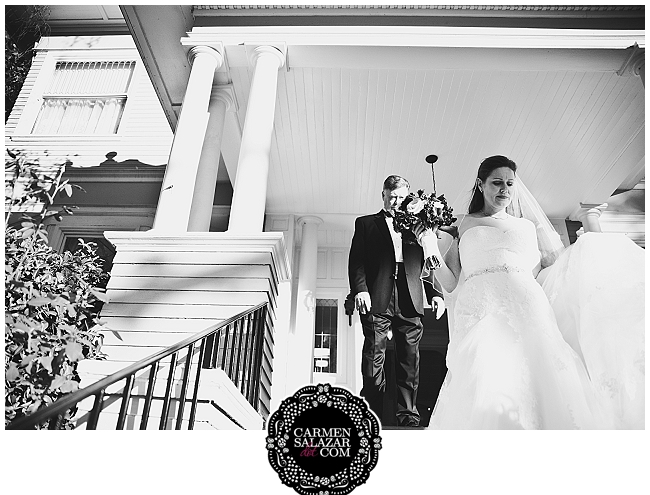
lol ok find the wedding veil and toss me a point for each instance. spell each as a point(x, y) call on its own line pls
point(524, 205)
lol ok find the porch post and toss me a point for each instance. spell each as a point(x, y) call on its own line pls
point(221, 100)
point(175, 202)
point(589, 214)
point(302, 351)
point(249, 197)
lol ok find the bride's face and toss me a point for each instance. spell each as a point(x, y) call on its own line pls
point(498, 188)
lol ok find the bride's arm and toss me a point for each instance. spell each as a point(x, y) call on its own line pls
point(541, 270)
point(541, 275)
point(450, 266)
point(449, 270)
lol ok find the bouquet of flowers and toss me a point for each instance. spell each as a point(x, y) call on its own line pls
point(428, 209)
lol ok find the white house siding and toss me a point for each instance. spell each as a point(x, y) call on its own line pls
point(144, 129)
point(23, 96)
point(143, 134)
point(164, 289)
point(161, 295)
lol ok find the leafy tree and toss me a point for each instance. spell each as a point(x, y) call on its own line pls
point(51, 311)
point(24, 26)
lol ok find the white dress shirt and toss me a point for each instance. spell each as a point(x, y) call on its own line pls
point(397, 238)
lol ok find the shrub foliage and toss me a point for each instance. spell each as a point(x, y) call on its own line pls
point(51, 299)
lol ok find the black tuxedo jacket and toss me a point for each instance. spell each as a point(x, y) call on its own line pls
point(371, 265)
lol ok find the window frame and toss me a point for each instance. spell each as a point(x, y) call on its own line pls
point(38, 93)
point(340, 376)
point(94, 221)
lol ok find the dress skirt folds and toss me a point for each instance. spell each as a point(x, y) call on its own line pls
point(568, 355)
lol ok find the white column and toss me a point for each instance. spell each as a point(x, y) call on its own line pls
point(175, 202)
point(221, 100)
point(589, 215)
point(249, 197)
point(302, 348)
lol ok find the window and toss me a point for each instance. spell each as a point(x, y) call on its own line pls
point(84, 98)
point(325, 342)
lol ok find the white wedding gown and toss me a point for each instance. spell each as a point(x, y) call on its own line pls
point(518, 361)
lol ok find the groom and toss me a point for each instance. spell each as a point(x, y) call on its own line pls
point(384, 275)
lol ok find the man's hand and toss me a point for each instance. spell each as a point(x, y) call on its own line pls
point(438, 305)
point(362, 302)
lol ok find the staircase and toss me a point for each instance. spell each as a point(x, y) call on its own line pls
point(166, 288)
point(198, 383)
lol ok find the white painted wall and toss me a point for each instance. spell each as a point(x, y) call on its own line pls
point(144, 133)
point(334, 238)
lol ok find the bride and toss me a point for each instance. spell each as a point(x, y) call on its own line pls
point(540, 337)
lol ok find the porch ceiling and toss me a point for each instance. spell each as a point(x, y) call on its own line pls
point(349, 114)
point(576, 133)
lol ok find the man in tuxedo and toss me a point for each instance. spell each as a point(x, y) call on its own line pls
point(384, 275)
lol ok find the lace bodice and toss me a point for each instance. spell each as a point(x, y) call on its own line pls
point(484, 249)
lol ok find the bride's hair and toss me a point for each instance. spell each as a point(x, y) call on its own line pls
point(487, 167)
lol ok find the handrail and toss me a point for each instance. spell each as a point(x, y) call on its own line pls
point(61, 406)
